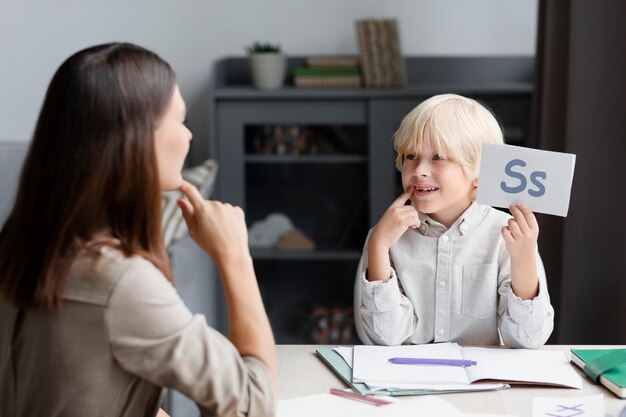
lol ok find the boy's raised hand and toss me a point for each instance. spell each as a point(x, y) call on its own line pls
point(394, 222)
point(520, 236)
point(521, 233)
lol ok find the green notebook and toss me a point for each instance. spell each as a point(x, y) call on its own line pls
point(344, 371)
point(604, 366)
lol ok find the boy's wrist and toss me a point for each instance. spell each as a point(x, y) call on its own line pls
point(523, 259)
point(375, 278)
point(378, 246)
point(379, 268)
point(526, 290)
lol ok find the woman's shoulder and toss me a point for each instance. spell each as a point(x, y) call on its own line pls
point(93, 277)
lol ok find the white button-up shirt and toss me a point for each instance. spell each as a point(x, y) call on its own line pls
point(454, 285)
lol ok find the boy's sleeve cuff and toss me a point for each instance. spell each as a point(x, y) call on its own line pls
point(379, 295)
point(528, 310)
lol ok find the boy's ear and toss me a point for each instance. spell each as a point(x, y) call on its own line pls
point(474, 189)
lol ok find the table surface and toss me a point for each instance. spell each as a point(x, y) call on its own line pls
point(301, 373)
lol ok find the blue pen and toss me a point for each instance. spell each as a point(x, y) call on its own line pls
point(432, 361)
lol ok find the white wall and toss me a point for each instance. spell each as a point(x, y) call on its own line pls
point(37, 35)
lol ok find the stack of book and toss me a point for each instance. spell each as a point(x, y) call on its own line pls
point(328, 72)
point(381, 58)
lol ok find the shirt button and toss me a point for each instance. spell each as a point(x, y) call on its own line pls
point(463, 227)
point(445, 238)
point(441, 330)
point(442, 283)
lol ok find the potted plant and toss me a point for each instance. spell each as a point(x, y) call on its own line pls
point(267, 65)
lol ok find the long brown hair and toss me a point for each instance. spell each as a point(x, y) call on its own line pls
point(90, 172)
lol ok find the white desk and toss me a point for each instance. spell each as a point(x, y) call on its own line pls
point(301, 372)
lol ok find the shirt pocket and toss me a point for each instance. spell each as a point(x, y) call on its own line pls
point(480, 290)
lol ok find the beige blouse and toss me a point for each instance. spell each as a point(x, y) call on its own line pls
point(122, 334)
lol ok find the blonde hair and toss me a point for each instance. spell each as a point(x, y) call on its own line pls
point(457, 125)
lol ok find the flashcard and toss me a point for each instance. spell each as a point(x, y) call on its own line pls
point(542, 180)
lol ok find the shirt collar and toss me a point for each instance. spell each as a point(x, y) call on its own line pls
point(466, 221)
point(470, 218)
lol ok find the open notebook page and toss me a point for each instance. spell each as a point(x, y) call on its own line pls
point(346, 353)
point(371, 366)
point(521, 365)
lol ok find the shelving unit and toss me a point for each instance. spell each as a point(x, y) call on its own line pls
point(334, 188)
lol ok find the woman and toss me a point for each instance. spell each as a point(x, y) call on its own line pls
point(90, 323)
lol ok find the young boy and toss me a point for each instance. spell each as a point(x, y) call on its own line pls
point(446, 268)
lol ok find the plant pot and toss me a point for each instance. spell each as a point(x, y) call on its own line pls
point(268, 70)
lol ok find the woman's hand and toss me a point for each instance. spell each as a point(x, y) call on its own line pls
point(219, 229)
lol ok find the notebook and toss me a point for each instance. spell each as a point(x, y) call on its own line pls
point(370, 365)
point(338, 365)
point(495, 367)
point(604, 366)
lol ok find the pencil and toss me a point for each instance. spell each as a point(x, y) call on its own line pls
point(359, 397)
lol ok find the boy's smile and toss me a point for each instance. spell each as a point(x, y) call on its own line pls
point(423, 190)
point(441, 188)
